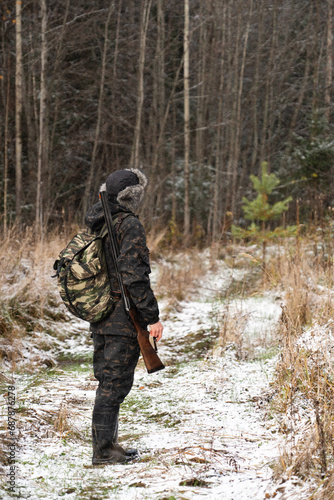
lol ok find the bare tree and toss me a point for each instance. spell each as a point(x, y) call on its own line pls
point(257, 72)
point(186, 227)
point(5, 174)
point(18, 111)
point(329, 59)
point(238, 122)
point(216, 226)
point(256, 84)
point(42, 156)
point(114, 75)
point(99, 111)
point(159, 109)
point(143, 37)
point(54, 115)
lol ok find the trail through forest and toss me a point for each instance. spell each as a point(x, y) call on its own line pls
point(203, 426)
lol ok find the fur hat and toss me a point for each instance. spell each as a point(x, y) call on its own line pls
point(127, 187)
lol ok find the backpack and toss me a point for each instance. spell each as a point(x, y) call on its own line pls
point(82, 274)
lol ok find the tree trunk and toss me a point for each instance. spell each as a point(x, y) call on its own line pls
point(202, 91)
point(5, 174)
point(87, 196)
point(135, 158)
point(216, 225)
point(186, 227)
point(232, 86)
point(115, 158)
point(329, 60)
point(270, 71)
point(18, 112)
point(173, 157)
point(41, 158)
point(300, 98)
point(238, 123)
point(317, 60)
point(54, 120)
point(256, 88)
point(152, 188)
point(158, 137)
point(162, 127)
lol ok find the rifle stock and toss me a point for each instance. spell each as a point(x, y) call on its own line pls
point(150, 357)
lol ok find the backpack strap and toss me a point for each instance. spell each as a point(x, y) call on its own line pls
point(117, 220)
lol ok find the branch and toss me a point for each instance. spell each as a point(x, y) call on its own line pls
point(76, 19)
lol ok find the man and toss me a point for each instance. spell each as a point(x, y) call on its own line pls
point(116, 348)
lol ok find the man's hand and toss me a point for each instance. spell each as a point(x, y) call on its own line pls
point(156, 330)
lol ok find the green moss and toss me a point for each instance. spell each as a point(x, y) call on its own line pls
point(267, 354)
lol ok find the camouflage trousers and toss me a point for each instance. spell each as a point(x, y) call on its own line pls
point(114, 362)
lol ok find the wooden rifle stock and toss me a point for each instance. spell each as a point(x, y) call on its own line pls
point(150, 356)
point(151, 359)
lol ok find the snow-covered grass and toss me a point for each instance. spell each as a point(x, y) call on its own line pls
point(200, 426)
point(231, 417)
point(304, 385)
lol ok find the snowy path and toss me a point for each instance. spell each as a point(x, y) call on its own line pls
point(201, 425)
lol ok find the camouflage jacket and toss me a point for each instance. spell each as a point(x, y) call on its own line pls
point(134, 267)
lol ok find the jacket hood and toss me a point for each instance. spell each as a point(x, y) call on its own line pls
point(126, 187)
point(95, 217)
point(132, 196)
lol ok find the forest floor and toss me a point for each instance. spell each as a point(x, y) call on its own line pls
point(204, 426)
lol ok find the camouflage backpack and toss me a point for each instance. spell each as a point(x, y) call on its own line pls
point(83, 280)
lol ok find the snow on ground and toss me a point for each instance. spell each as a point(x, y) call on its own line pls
point(203, 425)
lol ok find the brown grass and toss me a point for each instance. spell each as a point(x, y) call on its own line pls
point(304, 384)
point(180, 274)
point(231, 329)
point(29, 296)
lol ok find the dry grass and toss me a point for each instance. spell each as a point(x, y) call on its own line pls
point(179, 274)
point(304, 383)
point(231, 332)
point(155, 240)
point(304, 386)
point(63, 423)
point(29, 297)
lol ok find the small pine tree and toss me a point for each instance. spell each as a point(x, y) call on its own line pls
point(260, 210)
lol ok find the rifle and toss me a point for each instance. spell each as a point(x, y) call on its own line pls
point(149, 353)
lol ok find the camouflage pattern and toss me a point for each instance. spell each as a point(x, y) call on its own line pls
point(83, 281)
point(134, 266)
point(115, 359)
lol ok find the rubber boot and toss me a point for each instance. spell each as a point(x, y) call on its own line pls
point(104, 428)
point(131, 453)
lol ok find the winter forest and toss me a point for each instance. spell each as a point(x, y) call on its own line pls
point(198, 94)
point(227, 107)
